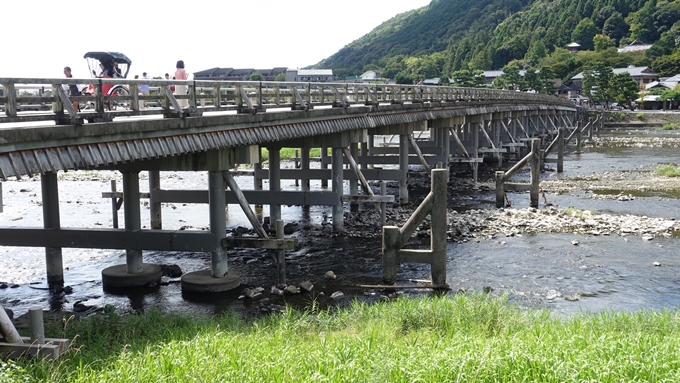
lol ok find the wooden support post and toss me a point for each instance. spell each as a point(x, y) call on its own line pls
point(1, 197)
point(305, 168)
point(560, 150)
point(297, 166)
point(7, 329)
point(403, 167)
point(440, 178)
point(36, 325)
point(338, 182)
point(274, 182)
point(51, 220)
point(535, 171)
point(280, 255)
point(390, 248)
point(324, 165)
point(155, 211)
point(590, 129)
point(133, 222)
point(383, 205)
point(114, 205)
point(353, 183)
point(500, 189)
point(579, 136)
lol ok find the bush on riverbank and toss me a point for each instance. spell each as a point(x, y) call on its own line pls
point(443, 338)
point(288, 153)
point(668, 170)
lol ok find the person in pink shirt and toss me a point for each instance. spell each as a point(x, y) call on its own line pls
point(181, 74)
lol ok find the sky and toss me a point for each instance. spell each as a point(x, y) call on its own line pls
point(46, 35)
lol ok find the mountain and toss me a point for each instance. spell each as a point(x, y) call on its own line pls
point(449, 35)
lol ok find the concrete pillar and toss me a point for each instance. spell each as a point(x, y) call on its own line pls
point(390, 249)
point(280, 255)
point(155, 205)
point(354, 183)
point(304, 166)
point(500, 189)
point(274, 182)
point(257, 181)
point(133, 221)
point(438, 225)
point(403, 167)
point(475, 147)
point(218, 222)
point(324, 165)
point(560, 149)
point(535, 171)
point(337, 179)
point(51, 220)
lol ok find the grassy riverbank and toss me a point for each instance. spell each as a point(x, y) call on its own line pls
point(449, 338)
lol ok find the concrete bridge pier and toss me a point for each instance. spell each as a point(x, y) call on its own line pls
point(218, 278)
point(51, 220)
point(134, 273)
point(354, 182)
point(403, 167)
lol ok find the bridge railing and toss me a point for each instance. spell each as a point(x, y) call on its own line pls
point(22, 97)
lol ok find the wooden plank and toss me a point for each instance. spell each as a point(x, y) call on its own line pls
point(368, 198)
point(259, 243)
point(51, 350)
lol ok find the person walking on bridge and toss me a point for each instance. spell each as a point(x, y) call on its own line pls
point(144, 88)
point(74, 89)
point(181, 74)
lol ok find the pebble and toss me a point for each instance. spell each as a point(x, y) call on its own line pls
point(330, 275)
point(337, 295)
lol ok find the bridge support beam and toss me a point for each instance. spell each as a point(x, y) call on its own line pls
point(51, 220)
point(134, 273)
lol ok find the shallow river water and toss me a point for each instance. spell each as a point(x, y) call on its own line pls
point(544, 270)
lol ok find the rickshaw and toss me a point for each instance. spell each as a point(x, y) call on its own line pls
point(107, 58)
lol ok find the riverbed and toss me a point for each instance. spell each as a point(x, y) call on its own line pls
point(577, 264)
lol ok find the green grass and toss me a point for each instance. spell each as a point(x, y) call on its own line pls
point(670, 126)
point(668, 170)
point(460, 338)
point(288, 153)
point(640, 116)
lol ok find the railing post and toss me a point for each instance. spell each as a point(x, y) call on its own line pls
point(57, 105)
point(500, 189)
point(535, 171)
point(389, 251)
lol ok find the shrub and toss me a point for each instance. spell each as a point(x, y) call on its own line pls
point(670, 126)
point(640, 116)
point(668, 170)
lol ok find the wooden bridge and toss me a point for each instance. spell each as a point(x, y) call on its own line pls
point(227, 123)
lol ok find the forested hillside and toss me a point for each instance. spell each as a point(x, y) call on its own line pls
point(450, 35)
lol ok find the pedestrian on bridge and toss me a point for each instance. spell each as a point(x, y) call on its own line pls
point(74, 89)
point(144, 88)
point(181, 74)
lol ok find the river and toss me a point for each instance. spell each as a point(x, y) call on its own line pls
point(543, 270)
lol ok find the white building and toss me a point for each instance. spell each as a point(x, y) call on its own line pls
point(310, 75)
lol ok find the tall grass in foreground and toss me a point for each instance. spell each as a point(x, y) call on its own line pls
point(668, 170)
point(435, 339)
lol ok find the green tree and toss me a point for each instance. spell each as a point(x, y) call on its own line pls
point(668, 65)
point(536, 53)
point(642, 23)
point(280, 77)
point(615, 27)
point(478, 79)
point(596, 79)
point(672, 95)
point(547, 76)
point(510, 79)
point(663, 46)
point(584, 33)
point(256, 76)
point(532, 79)
point(462, 78)
point(667, 13)
point(623, 88)
point(603, 42)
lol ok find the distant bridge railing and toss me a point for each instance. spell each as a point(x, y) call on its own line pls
point(209, 96)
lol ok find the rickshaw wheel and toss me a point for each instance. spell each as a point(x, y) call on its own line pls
point(121, 91)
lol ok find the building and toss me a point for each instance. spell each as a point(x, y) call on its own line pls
point(574, 47)
point(667, 83)
point(641, 74)
point(310, 75)
point(371, 75)
point(231, 74)
point(635, 46)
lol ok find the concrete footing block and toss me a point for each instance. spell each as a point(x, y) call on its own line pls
point(118, 277)
point(203, 282)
